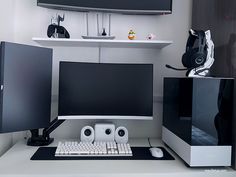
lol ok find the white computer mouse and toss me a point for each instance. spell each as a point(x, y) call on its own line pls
point(156, 152)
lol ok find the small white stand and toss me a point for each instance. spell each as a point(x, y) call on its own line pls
point(99, 36)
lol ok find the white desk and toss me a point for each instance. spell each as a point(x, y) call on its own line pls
point(16, 162)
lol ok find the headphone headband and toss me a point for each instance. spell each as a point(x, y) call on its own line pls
point(190, 41)
point(200, 35)
point(202, 40)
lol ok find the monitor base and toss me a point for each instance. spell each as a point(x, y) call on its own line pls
point(99, 37)
point(39, 141)
point(44, 139)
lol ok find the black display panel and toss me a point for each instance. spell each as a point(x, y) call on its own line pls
point(199, 110)
point(105, 89)
point(26, 75)
point(123, 6)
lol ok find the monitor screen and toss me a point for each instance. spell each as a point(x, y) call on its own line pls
point(26, 75)
point(120, 6)
point(105, 91)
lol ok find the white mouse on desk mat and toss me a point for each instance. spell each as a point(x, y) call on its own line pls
point(156, 152)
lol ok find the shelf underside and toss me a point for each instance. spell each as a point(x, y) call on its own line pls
point(158, 44)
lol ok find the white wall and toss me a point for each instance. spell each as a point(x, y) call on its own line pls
point(32, 21)
point(6, 33)
point(7, 17)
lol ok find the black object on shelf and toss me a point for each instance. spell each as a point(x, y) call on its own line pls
point(55, 30)
point(104, 32)
point(139, 153)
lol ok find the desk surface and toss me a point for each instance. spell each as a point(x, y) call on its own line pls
point(16, 162)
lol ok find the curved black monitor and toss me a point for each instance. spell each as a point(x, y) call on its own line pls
point(26, 75)
point(117, 6)
point(105, 91)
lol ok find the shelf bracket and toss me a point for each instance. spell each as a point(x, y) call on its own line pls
point(99, 54)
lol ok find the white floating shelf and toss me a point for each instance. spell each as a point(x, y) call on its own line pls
point(158, 44)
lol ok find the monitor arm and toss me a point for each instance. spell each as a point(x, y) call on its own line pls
point(44, 139)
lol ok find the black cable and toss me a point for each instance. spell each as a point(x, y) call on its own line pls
point(177, 69)
point(149, 143)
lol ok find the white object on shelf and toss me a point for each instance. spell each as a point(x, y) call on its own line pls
point(99, 37)
point(102, 43)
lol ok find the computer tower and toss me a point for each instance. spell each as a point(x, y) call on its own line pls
point(197, 119)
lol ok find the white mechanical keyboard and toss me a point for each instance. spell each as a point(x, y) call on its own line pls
point(73, 148)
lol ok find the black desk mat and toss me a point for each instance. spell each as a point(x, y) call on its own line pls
point(139, 153)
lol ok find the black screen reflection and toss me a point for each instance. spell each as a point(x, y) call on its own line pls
point(212, 124)
point(223, 119)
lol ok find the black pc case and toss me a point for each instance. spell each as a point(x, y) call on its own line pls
point(197, 119)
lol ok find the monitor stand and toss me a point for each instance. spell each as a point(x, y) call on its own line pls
point(44, 139)
point(99, 35)
point(38, 140)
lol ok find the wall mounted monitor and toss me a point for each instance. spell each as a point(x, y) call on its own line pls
point(26, 75)
point(116, 6)
point(105, 91)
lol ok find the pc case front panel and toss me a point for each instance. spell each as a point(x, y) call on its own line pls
point(177, 107)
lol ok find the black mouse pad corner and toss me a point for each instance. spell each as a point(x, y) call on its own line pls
point(139, 153)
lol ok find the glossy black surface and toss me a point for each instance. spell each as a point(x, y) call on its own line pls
point(26, 75)
point(199, 110)
point(123, 6)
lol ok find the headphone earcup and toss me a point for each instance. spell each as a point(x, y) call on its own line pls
point(197, 58)
point(193, 58)
point(60, 30)
point(186, 60)
point(51, 30)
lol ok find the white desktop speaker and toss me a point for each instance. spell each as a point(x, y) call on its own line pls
point(87, 134)
point(104, 132)
point(121, 135)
